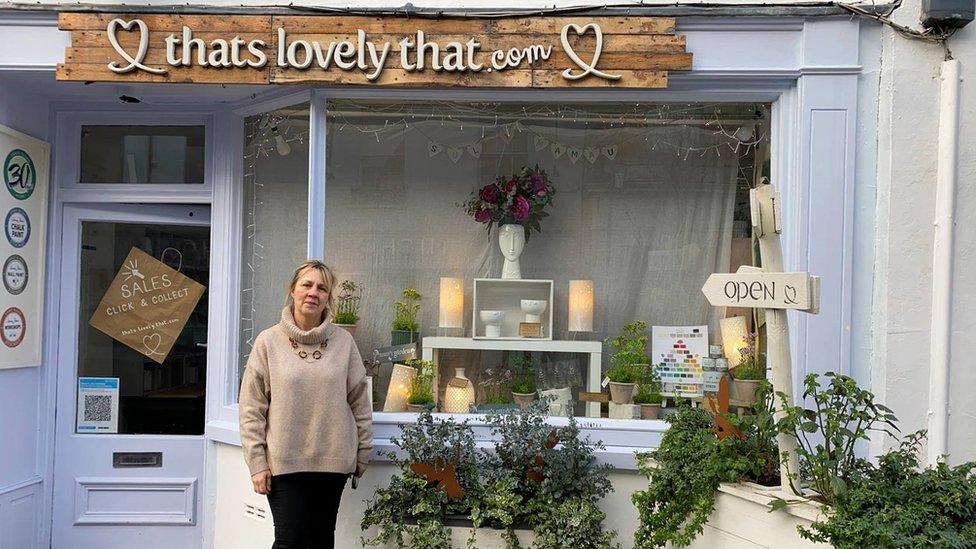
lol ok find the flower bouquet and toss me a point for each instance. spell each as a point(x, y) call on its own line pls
point(520, 200)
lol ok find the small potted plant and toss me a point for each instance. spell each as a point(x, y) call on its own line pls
point(628, 361)
point(524, 381)
point(421, 387)
point(347, 306)
point(405, 327)
point(749, 373)
point(648, 394)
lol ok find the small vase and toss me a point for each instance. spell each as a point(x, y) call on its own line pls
point(622, 393)
point(650, 411)
point(511, 240)
point(524, 400)
point(351, 328)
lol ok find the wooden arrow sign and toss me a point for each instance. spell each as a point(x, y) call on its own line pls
point(764, 290)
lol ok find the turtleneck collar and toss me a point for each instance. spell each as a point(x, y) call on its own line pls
point(317, 334)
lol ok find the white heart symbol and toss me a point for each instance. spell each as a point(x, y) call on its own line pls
point(588, 68)
point(454, 153)
point(152, 343)
point(541, 143)
point(134, 62)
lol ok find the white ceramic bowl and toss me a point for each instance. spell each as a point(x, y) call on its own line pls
point(533, 306)
point(491, 316)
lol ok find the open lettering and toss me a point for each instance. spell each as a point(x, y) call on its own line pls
point(755, 291)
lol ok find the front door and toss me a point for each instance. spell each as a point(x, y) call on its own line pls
point(129, 449)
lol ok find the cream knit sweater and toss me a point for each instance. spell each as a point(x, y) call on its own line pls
point(299, 414)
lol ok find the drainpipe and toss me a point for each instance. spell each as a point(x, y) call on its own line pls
point(942, 245)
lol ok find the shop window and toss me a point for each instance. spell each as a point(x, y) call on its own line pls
point(274, 217)
point(161, 155)
point(649, 200)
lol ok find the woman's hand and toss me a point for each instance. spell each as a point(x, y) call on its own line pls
point(360, 469)
point(262, 482)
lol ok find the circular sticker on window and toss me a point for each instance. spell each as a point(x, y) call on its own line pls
point(15, 274)
point(17, 227)
point(13, 326)
point(19, 175)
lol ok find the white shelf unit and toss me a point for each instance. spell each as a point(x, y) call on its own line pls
point(506, 294)
point(431, 345)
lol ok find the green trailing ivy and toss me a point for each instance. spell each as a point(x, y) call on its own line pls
point(685, 471)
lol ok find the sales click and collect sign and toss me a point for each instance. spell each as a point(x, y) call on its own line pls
point(147, 305)
point(629, 52)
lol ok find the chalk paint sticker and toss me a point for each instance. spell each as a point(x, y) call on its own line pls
point(19, 174)
point(13, 326)
point(15, 274)
point(17, 227)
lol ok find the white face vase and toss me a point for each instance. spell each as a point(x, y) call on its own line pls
point(511, 239)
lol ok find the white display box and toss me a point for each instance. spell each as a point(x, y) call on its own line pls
point(506, 294)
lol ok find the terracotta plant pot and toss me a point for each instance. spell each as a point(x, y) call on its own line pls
point(351, 328)
point(650, 411)
point(744, 390)
point(524, 400)
point(622, 393)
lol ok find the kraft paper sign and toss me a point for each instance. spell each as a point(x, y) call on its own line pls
point(147, 305)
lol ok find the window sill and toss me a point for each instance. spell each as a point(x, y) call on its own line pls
point(622, 438)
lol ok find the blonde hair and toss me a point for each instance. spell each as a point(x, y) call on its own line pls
point(330, 283)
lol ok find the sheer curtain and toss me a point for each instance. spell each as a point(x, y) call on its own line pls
point(647, 219)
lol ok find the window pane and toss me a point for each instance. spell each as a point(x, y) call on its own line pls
point(164, 155)
point(649, 200)
point(154, 398)
point(275, 215)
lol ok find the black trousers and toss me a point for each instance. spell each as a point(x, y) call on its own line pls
point(304, 507)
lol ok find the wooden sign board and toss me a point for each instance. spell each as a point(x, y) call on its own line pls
point(538, 52)
point(763, 290)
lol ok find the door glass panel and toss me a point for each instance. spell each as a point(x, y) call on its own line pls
point(154, 398)
point(164, 155)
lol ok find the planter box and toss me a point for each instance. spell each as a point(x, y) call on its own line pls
point(487, 538)
point(742, 519)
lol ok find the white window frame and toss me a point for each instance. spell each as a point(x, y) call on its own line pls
point(807, 69)
point(68, 150)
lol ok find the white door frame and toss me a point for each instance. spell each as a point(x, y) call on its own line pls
point(71, 492)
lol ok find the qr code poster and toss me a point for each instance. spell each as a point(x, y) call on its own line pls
point(677, 351)
point(98, 405)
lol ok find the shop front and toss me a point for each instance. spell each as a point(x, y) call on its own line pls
point(499, 196)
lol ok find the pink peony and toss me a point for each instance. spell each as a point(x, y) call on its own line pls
point(489, 193)
point(520, 209)
point(482, 216)
point(510, 185)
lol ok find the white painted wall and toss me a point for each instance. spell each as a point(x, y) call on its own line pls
point(907, 147)
point(21, 470)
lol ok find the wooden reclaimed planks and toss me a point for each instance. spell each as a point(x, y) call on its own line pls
point(641, 50)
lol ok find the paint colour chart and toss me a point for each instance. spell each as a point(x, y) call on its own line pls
point(23, 209)
point(677, 352)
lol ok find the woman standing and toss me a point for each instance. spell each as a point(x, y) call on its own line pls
point(306, 420)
